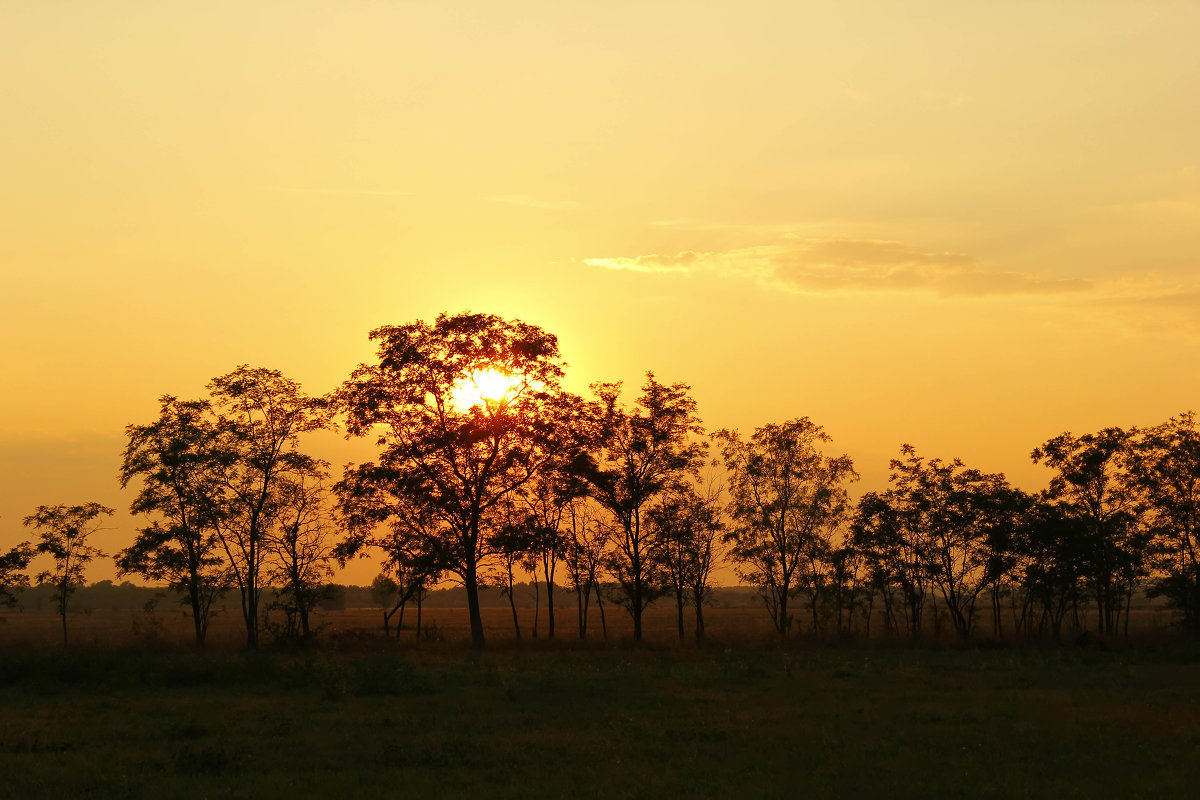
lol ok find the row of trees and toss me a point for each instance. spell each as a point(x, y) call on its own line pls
point(487, 469)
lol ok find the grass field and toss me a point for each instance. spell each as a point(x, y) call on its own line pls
point(170, 625)
point(364, 717)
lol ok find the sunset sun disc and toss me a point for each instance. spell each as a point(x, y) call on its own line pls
point(484, 387)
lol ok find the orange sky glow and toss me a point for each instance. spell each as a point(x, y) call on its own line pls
point(969, 227)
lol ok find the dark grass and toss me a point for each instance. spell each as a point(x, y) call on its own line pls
point(803, 721)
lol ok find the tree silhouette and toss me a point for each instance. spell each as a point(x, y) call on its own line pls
point(63, 533)
point(12, 575)
point(543, 503)
point(1167, 467)
point(1094, 480)
point(173, 458)
point(687, 524)
point(300, 550)
point(584, 557)
point(947, 516)
point(454, 464)
point(636, 455)
point(413, 558)
point(1050, 553)
point(260, 416)
point(785, 498)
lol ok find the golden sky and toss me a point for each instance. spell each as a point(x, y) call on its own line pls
point(967, 226)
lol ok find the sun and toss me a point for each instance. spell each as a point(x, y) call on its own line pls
point(485, 387)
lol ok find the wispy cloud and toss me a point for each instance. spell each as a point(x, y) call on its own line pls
point(534, 202)
point(379, 192)
point(825, 266)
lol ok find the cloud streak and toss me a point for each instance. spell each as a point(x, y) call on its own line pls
point(830, 266)
point(369, 192)
point(534, 202)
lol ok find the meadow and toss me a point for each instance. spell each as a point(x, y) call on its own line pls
point(122, 717)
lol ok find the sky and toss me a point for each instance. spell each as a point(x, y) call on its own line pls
point(965, 226)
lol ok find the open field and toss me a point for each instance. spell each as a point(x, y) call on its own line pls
point(170, 625)
point(805, 721)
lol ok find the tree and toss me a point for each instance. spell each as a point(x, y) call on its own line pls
point(512, 540)
point(1095, 481)
point(412, 551)
point(63, 533)
point(892, 562)
point(635, 456)
point(1166, 466)
point(385, 593)
point(455, 464)
point(1049, 553)
point(12, 576)
point(544, 503)
point(173, 457)
point(687, 524)
point(948, 517)
point(300, 550)
point(786, 498)
point(260, 416)
point(584, 556)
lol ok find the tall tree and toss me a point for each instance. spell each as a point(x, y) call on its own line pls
point(1049, 554)
point(636, 455)
point(260, 416)
point(300, 549)
point(544, 503)
point(1167, 467)
point(64, 533)
point(948, 515)
point(512, 539)
point(893, 564)
point(785, 497)
point(455, 459)
point(173, 459)
point(687, 523)
point(1095, 480)
point(584, 556)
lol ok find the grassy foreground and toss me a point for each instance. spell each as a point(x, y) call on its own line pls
point(828, 721)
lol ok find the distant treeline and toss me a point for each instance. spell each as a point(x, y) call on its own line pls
point(490, 476)
point(127, 596)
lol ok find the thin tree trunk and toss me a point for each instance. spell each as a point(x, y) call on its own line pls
point(600, 606)
point(472, 586)
point(512, 603)
point(679, 611)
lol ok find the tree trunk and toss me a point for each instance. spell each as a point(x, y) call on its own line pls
point(537, 601)
point(472, 586)
point(679, 611)
point(62, 612)
point(197, 616)
point(636, 608)
point(512, 603)
point(583, 597)
point(600, 605)
point(781, 611)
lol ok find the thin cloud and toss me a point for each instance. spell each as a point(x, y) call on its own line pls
point(1166, 302)
point(533, 202)
point(371, 192)
point(825, 266)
